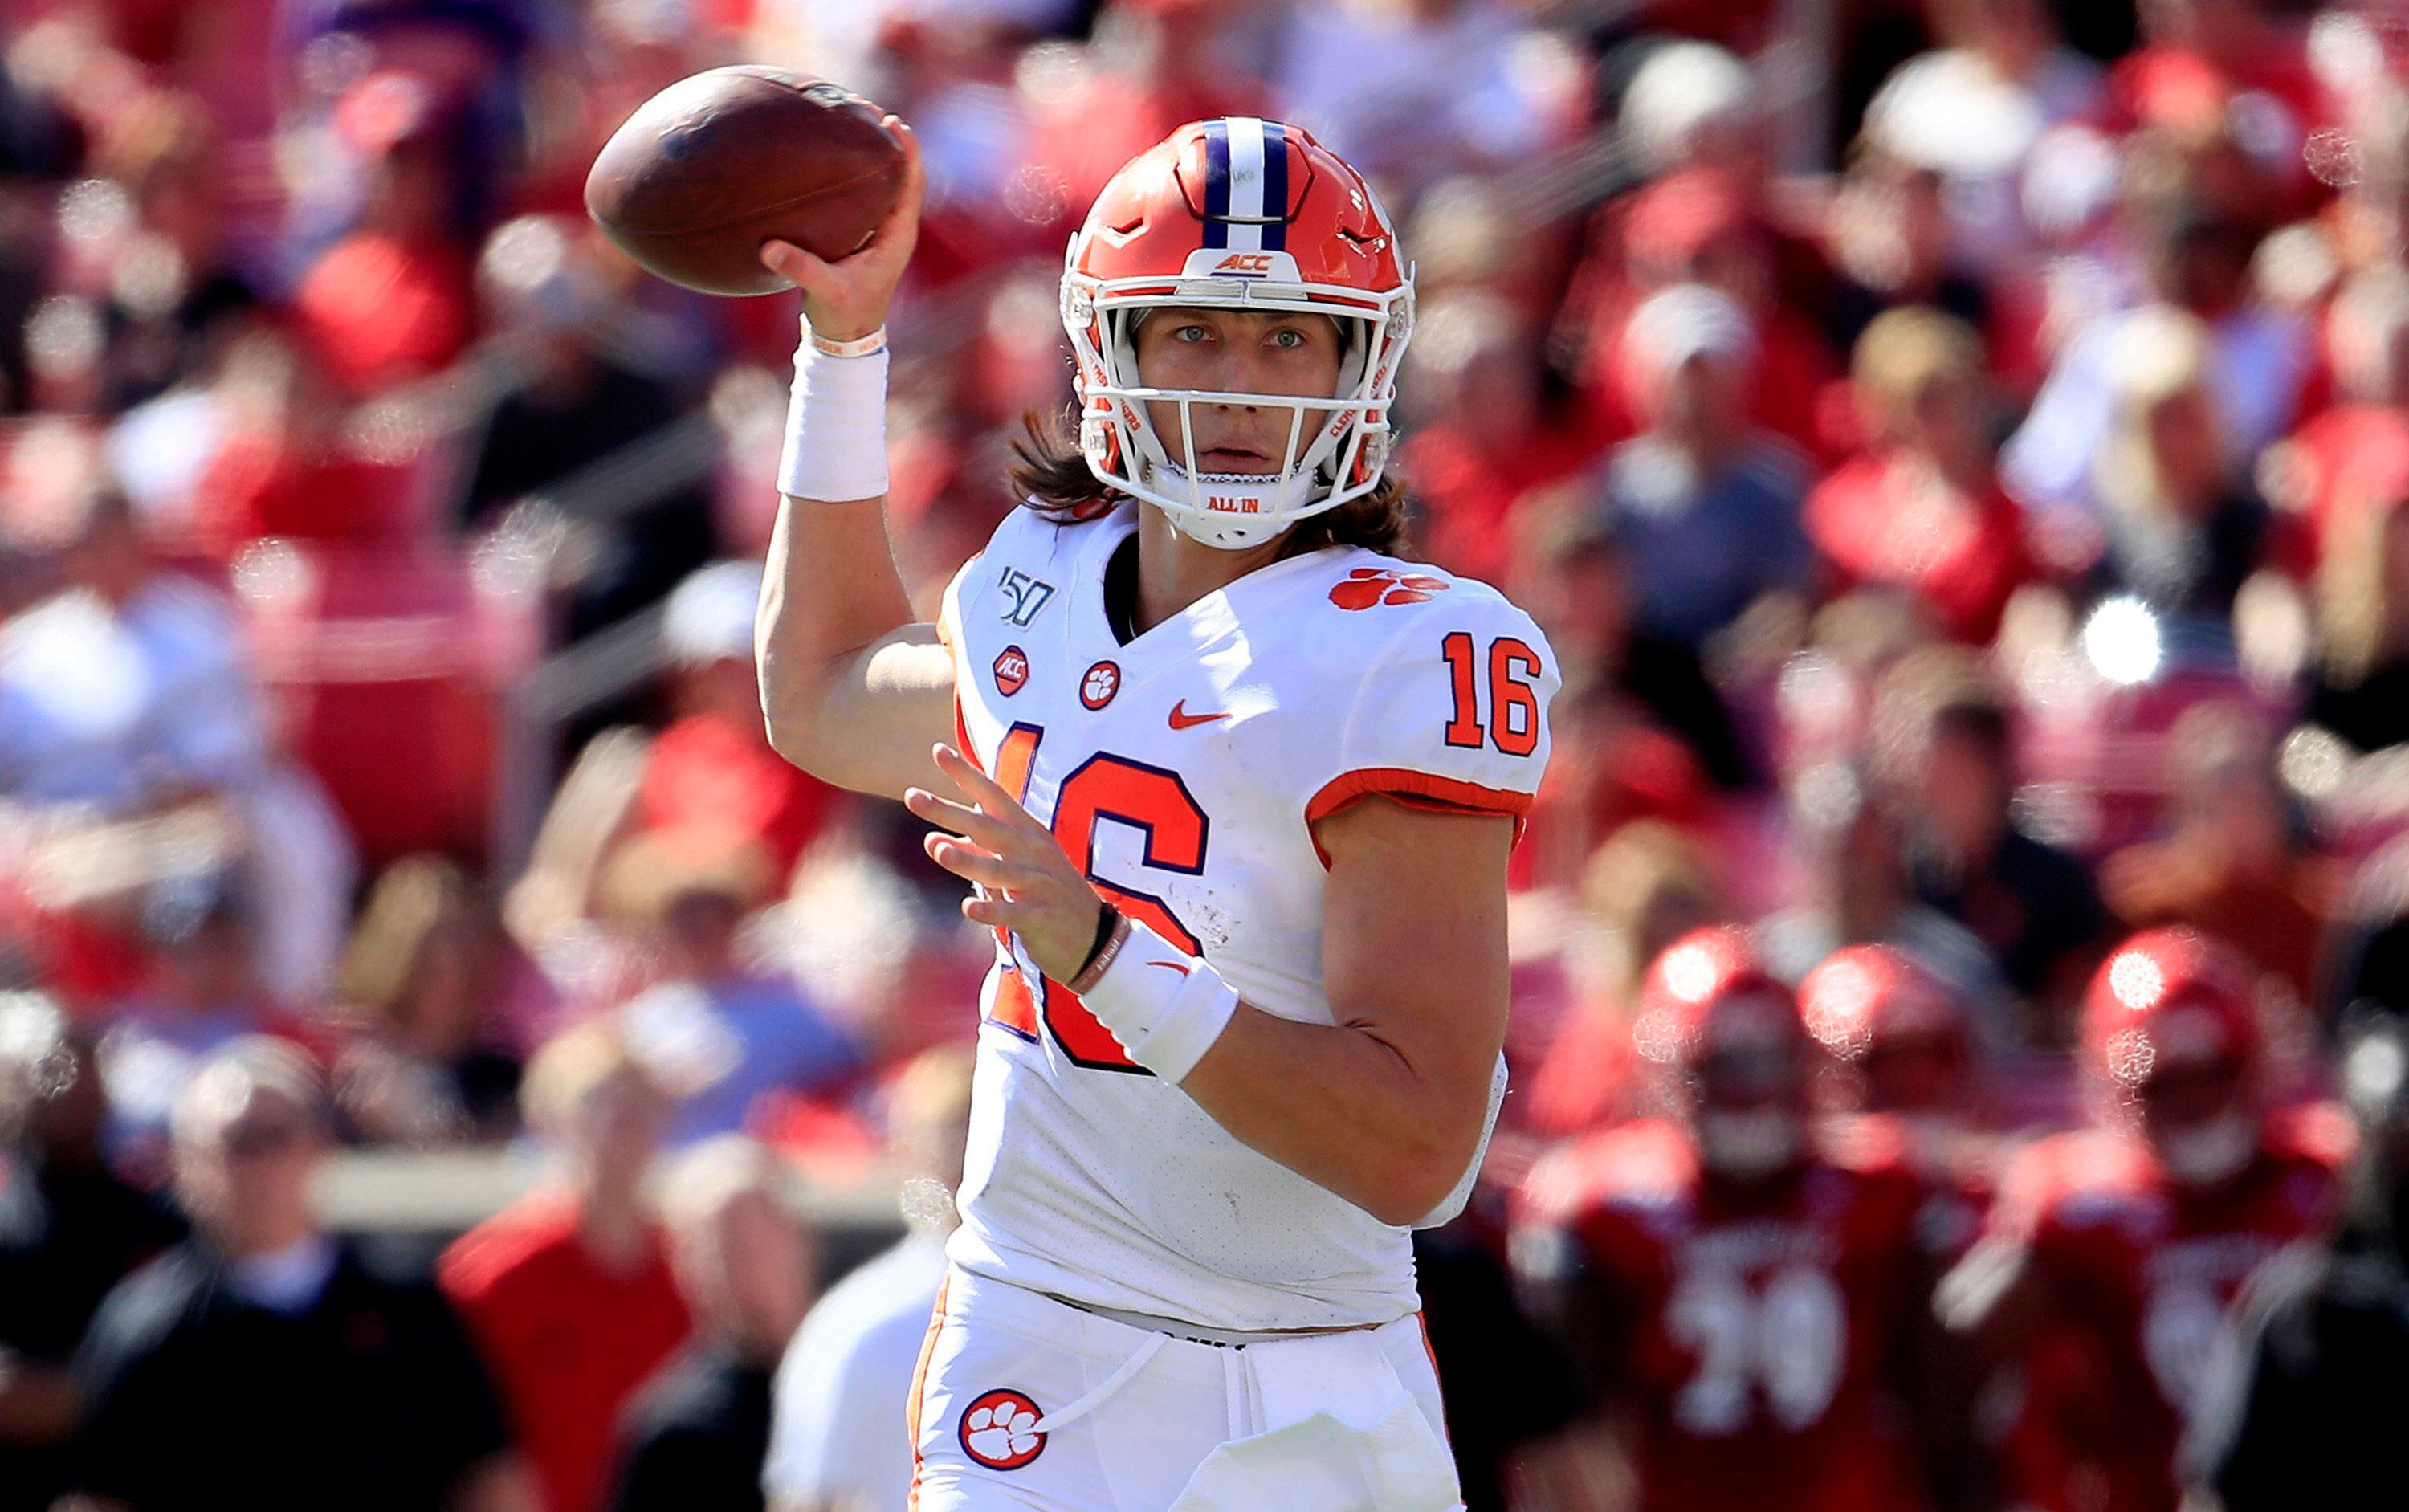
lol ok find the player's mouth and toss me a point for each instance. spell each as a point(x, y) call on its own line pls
point(1233, 459)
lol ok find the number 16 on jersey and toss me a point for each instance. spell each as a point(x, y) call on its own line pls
point(1150, 800)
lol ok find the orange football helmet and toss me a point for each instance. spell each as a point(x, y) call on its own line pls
point(1237, 213)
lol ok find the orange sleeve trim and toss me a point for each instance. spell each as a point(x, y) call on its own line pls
point(945, 603)
point(1416, 790)
point(919, 1385)
point(953, 651)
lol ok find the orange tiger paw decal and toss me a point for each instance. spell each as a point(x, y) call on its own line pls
point(1368, 585)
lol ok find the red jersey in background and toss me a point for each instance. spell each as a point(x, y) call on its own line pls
point(1760, 1344)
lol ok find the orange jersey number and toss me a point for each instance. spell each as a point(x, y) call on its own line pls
point(1150, 800)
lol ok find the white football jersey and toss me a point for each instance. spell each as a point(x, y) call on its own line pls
point(1184, 768)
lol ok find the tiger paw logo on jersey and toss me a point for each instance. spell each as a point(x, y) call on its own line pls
point(999, 1430)
point(1011, 670)
point(1097, 688)
point(1368, 585)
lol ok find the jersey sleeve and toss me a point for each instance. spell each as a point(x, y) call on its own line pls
point(1450, 715)
point(949, 610)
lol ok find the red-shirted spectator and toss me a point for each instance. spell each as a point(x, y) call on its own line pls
point(392, 300)
point(1157, 64)
point(569, 1293)
point(1648, 885)
point(1701, 227)
point(1921, 507)
point(1486, 445)
point(1642, 733)
point(2358, 687)
point(2353, 453)
point(713, 771)
point(283, 465)
point(2199, 58)
point(2232, 864)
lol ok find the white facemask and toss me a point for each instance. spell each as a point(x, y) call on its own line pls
point(1337, 447)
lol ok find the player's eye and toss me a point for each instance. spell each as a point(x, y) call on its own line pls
point(1288, 338)
point(1191, 332)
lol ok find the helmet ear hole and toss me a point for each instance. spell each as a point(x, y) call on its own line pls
point(1370, 456)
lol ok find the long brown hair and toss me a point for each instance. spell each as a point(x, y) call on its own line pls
point(1049, 473)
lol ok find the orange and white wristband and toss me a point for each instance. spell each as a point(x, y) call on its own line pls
point(1165, 1006)
point(836, 421)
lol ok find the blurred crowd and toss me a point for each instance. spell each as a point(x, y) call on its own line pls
point(1958, 448)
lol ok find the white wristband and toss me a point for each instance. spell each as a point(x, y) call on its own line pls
point(836, 424)
point(1165, 1006)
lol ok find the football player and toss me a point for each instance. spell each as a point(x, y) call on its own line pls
point(1904, 1074)
point(1752, 1305)
point(2129, 1240)
point(1235, 788)
point(1899, 1040)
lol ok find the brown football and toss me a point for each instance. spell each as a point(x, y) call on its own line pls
point(716, 164)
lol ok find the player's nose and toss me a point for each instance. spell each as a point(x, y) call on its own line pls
point(1240, 373)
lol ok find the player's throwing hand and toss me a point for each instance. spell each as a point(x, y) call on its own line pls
point(846, 299)
point(1031, 886)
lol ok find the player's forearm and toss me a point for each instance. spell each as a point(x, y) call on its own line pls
point(1342, 1108)
point(831, 592)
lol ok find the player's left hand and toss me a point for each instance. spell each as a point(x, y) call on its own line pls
point(1029, 887)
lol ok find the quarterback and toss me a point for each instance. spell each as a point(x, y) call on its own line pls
point(1234, 787)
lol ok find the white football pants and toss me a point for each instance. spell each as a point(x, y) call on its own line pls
point(1026, 1403)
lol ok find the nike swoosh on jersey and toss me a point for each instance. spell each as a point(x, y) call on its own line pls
point(1182, 719)
point(1170, 965)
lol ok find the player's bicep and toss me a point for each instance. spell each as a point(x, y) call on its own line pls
point(871, 724)
point(1414, 939)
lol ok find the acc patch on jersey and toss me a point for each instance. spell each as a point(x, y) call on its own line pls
point(1011, 670)
point(999, 1430)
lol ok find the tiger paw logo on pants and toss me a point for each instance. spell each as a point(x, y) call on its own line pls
point(999, 1430)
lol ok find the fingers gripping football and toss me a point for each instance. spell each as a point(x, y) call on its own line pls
point(846, 299)
point(1028, 885)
